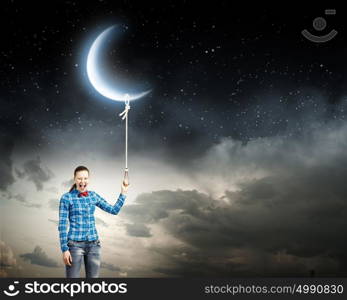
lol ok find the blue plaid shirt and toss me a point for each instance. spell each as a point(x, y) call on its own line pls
point(79, 211)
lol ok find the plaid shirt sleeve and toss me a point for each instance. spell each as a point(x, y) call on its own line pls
point(112, 209)
point(63, 222)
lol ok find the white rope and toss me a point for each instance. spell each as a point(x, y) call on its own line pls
point(124, 115)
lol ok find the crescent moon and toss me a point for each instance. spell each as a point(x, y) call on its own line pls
point(102, 85)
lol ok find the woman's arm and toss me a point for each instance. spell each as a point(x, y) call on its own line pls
point(112, 209)
point(63, 221)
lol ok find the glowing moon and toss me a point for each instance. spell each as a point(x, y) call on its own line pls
point(101, 84)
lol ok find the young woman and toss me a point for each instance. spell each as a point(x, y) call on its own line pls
point(81, 242)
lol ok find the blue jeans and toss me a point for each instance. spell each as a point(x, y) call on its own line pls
point(87, 251)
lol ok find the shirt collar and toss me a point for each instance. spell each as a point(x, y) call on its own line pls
point(76, 191)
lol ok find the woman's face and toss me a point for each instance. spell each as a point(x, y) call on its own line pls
point(81, 180)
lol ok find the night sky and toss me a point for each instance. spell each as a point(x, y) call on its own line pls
point(237, 156)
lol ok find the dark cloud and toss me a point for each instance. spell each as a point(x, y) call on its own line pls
point(188, 262)
point(286, 213)
point(138, 230)
point(36, 173)
point(109, 267)
point(19, 173)
point(6, 148)
point(196, 262)
point(39, 257)
point(20, 198)
point(155, 206)
point(247, 234)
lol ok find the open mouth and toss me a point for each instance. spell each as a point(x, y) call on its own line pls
point(82, 186)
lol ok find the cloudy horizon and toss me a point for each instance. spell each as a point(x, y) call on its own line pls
point(270, 207)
